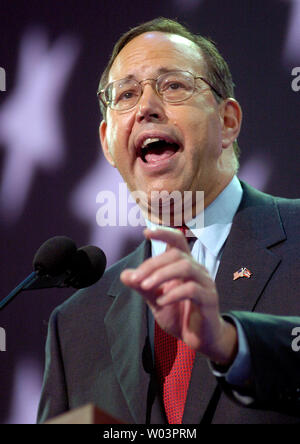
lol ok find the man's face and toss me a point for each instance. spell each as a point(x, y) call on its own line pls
point(192, 156)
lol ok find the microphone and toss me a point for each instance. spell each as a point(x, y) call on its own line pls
point(58, 263)
point(85, 267)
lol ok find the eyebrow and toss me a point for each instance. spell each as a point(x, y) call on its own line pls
point(159, 72)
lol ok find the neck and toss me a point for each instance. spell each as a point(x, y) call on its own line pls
point(175, 210)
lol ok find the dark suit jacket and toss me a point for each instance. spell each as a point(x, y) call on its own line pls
point(274, 345)
point(97, 349)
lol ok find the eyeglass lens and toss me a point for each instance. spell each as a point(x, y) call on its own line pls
point(173, 87)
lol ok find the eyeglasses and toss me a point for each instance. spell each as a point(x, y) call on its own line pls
point(172, 87)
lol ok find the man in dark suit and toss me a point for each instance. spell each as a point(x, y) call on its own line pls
point(170, 124)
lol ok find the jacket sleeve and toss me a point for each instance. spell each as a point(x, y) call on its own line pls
point(274, 344)
point(54, 399)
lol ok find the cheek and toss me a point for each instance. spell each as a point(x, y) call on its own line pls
point(205, 130)
point(118, 132)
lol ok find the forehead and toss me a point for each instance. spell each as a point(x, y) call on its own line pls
point(151, 52)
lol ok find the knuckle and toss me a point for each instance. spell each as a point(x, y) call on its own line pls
point(192, 287)
point(176, 254)
point(185, 266)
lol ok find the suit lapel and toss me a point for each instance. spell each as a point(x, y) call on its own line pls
point(256, 228)
point(126, 326)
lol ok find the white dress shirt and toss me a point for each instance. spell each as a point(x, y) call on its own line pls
point(218, 216)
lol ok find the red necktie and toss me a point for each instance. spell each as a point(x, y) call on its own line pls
point(174, 362)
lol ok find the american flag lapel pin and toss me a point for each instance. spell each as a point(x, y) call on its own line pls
point(242, 272)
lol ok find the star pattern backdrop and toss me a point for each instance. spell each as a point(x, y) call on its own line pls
point(51, 165)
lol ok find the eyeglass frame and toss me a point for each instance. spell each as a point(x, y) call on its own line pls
point(108, 104)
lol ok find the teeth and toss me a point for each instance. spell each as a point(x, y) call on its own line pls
point(149, 140)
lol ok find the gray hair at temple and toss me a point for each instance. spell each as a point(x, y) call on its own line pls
point(218, 72)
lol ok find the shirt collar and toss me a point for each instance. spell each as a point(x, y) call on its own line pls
point(218, 217)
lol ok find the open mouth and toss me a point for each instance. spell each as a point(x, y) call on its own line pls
point(155, 150)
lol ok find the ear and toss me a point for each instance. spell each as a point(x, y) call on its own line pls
point(104, 144)
point(231, 121)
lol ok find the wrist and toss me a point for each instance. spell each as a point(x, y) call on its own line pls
point(227, 348)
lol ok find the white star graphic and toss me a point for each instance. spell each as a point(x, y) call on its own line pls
point(256, 171)
point(30, 122)
point(291, 49)
point(103, 177)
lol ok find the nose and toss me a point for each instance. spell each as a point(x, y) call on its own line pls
point(150, 106)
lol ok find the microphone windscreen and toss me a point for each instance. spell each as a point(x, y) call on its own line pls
point(87, 267)
point(54, 256)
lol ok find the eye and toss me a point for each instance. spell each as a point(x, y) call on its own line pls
point(176, 85)
point(126, 95)
point(173, 85)
point(126, 92)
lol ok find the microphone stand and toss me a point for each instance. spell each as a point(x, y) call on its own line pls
point(37, 280)
point(22, 286)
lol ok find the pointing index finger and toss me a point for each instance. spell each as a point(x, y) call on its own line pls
point(172, 236)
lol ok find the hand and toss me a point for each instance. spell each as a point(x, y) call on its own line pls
point(183, 298)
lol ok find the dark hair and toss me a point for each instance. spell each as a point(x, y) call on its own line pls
point(218, 72)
